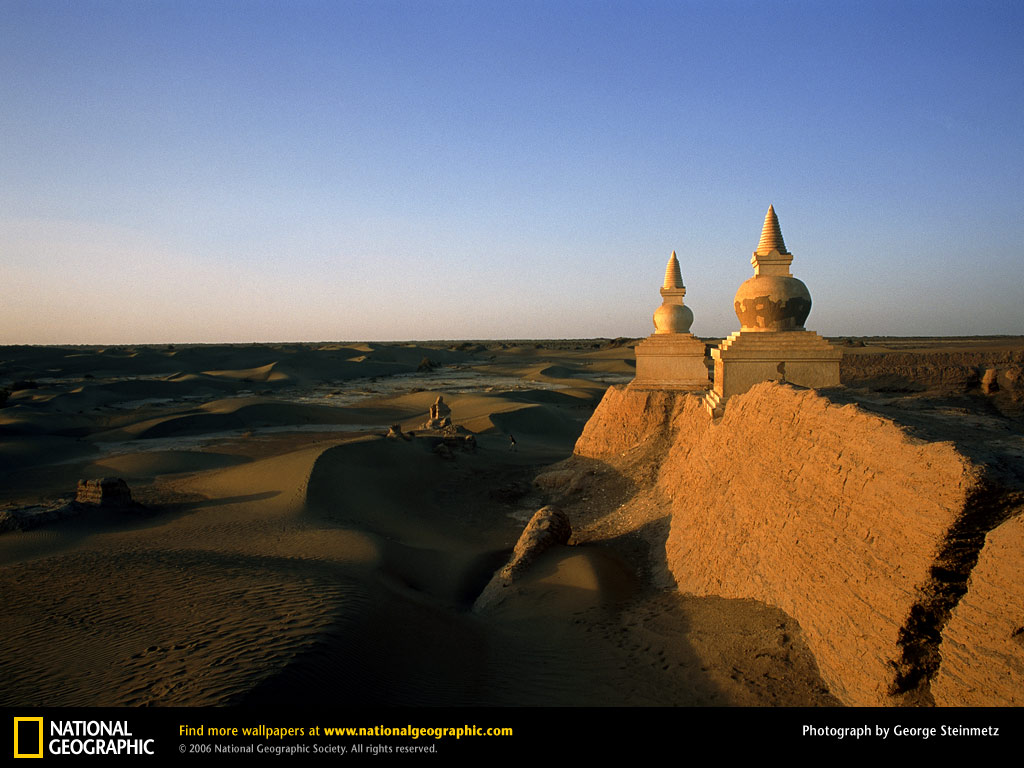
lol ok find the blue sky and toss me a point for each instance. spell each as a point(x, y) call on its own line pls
point(288, 171)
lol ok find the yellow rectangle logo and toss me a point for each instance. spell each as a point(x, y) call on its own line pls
point(35, 744)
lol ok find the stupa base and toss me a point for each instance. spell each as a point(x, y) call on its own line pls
point(749, 357)
point(671, 361)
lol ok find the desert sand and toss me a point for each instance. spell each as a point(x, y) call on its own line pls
point(285, 550)
point(289, 552)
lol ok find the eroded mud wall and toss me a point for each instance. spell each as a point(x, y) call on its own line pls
point(842, 518)
point(943, 371)
point(983, 643)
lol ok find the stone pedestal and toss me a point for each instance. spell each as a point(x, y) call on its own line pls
point(793, 357)
point(670, 361)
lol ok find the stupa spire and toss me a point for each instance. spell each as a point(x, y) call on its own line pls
point(771, 235)
point(673, 275)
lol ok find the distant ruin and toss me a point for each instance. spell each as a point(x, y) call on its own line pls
point(104, 491)
point(439, 416)
point(100, 494)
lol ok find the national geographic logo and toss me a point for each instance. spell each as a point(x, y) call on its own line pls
point(28, 737)
point(76, 738)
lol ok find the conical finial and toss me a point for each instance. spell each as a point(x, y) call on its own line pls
point(771, 234)
point(673, 276)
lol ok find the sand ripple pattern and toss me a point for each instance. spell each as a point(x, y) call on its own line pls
point(172, 628)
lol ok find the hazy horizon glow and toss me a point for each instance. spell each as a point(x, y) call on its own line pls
point(179, 172)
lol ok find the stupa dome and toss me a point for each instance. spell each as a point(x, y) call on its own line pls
point(673, 318)
point(772, 303)
point(772, 300)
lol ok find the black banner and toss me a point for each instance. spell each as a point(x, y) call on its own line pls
point(441, 735)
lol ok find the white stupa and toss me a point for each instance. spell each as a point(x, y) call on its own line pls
point(772, 343)
point(671, 357)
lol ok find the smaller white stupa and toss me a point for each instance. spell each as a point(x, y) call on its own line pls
point(671, 357)
point(772, 343)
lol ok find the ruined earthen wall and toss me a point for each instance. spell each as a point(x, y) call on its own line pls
point(983, 643)
point(945, 371)
point(627, 420)
point(831, 513)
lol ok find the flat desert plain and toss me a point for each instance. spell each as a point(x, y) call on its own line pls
point(284, 549)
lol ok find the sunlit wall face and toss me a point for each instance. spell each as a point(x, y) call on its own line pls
point(179, 172)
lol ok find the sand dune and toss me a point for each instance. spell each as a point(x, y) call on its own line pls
point(152, 464)
point(287, 566)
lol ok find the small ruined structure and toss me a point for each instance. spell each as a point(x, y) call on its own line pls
point(440, 415)
point(671, 357)
point(772, 343)
point(105, 491)
point(108, 493)
point(395, 432)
